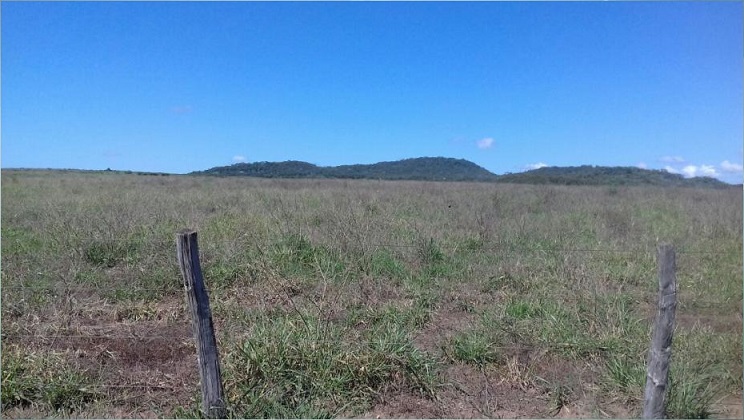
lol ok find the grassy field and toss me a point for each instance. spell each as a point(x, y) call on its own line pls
point(336, 298)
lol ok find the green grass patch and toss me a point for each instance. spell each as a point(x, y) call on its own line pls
point(298, 367)
point(519, 309)
point(473, 244)
point(434, 263)
point(295, 255)
point(692, 393)
point(413, 317)
point(580, 329)
point(429, 252)
point(110, 253)
point(506, 280)
point(20, 241)
point(476, 347)
point(221, 274)
point(384, 263)
point(662, 221)
point(90, 276)
point(626, 374)
point(44, 381)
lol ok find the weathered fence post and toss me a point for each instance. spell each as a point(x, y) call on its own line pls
point(213, 403)
point(657, 376)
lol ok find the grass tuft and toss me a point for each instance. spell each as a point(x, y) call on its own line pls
point(44, 380)
point(110, 253)
point(296, 366)
point(475, 347)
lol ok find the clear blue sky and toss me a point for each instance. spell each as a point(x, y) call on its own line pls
point(176, 87)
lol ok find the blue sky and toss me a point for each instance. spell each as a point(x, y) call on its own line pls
point(180, 86)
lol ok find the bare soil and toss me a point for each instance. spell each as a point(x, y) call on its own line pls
point(137, 365)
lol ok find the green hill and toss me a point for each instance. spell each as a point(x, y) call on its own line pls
point(426, 168)
point(288, 169)
point(450, 169)
point(604, 175)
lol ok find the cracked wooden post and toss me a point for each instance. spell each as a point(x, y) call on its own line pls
point(657, 376)
point(213, 402)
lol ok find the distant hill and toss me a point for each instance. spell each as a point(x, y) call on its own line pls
point(426, 168)
point(288, 169)
point(604, 175)
point(450, 169)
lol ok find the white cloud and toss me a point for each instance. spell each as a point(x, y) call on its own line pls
point(691, 171)
point(671, 170)
point(239, 159)
point(709, 170)
point(535, 166)
point(642, 165)
point(727, 166)
point(672, 159)
point(485, 143)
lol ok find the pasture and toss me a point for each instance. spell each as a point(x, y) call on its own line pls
point(335, 298)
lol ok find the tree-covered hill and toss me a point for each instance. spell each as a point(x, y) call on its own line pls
point(604, 175)
point(450, 169)
point(288, 169)
point(426, 168)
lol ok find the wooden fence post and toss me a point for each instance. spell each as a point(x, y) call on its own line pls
point(657, 376)
point(213, 403)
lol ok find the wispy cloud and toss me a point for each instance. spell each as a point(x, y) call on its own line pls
point(672, 159)
point(485, 143)
point(535, 166)
point(642, 165)
point(727, 166)
point(239, 159)
point(671, 170)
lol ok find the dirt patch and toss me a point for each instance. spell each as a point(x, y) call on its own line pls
point(459, 311)
point(134, 365)
point(716, 321)
point(150, 349)
point(491, 392)
point(443, 325)
point(403, 406)
point(148, 364)
point(573, 390)
point(729, 407)
point(470, 392)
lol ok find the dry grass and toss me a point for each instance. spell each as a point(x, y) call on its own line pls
point(363, 298)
